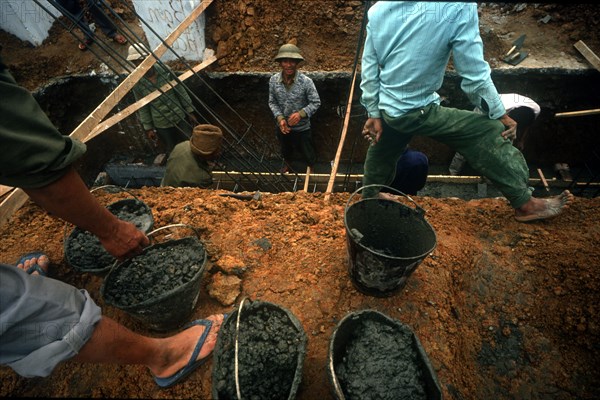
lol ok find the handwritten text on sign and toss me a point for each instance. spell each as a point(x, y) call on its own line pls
point(163, 16)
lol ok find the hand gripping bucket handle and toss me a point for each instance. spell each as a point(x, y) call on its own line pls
point(119, 188)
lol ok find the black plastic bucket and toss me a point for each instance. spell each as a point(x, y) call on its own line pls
point(160, 297)
point(83, 250)
point(259, 353)
point(386, 241)
point(372, 356)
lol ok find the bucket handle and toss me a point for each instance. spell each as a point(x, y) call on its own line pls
point(149, 234)
point(420, 211)
point(238, 392)
point(122, 189)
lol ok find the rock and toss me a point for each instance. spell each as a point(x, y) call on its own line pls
point(224, 288)
point(231, 265)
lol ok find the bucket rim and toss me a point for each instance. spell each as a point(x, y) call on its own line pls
point(168, 293)
point(387, 256)
point(231, 320)
point(381, 317)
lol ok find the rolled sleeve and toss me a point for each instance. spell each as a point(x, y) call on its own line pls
point(42, 321)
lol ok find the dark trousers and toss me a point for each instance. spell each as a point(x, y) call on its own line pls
point(297, 140)
point(172, 136)
point(104, 23)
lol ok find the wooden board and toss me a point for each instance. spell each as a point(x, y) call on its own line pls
point(588, 54)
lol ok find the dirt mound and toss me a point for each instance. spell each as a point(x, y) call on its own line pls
point(503, 309)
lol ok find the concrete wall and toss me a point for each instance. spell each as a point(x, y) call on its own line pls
point(27, 20)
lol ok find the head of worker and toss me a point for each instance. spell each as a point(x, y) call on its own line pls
point(206, 142)
point(288, 58)
point(137, 53)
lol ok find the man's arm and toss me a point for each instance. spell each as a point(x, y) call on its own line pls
point(69, 199)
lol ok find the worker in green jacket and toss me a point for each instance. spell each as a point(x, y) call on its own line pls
point(191, 162)
point(165, 117)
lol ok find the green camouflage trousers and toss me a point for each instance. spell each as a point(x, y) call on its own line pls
point(475, 136)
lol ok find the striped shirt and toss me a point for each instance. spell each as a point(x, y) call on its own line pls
point(301, 96)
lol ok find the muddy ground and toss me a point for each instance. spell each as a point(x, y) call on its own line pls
point(505, 310)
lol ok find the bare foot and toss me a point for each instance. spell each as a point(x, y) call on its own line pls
point(183, 344)
point(36, 265)
point(536, 209)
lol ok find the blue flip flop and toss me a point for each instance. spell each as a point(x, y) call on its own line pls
point(193, 363)
point(35, 267)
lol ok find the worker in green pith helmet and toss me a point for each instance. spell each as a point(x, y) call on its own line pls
point(293, 100)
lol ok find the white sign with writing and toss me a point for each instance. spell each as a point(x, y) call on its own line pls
point(162, 17)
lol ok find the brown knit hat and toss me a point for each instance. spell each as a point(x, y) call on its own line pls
point(206, 140)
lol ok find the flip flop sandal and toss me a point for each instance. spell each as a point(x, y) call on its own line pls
point(35, 267)
point(193, 363)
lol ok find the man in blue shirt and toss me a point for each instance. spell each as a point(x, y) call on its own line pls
point(404, 60)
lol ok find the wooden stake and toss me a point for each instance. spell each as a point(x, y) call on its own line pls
point(577, 113)
point(543, 178)
point(338, 154)
point(128, 83)
point(306, 178)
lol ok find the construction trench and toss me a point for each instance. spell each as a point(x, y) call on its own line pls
point(499, 309)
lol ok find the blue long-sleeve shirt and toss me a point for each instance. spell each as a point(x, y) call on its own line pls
point(406, 52)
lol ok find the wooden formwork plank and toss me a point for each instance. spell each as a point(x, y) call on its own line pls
point(588, 54)
point(146, 100)
point(96, 117)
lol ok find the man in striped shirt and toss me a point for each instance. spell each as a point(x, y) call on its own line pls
point(293, 99)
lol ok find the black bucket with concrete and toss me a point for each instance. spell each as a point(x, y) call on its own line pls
point(372, 356)
point(83, 251)
point(386, 242)
point(160, 286)
point(259, 353)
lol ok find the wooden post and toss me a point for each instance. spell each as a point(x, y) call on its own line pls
point(306, 178)
point(109, 103)
point(588, 54)
point(338, 154)
point(577, 113)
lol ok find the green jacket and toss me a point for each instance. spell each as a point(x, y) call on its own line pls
point(34, 152)
point(169, 108)
point(184, 169)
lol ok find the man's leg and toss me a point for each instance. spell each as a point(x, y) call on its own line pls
point(479, 140)
point(112, 343)
point(101, 19)
point(381, 159)
point(307, 146)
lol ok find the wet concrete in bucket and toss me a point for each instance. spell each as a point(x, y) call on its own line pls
point(83, 249)
point(270, 351)
point(158, 270)
point(381, 362)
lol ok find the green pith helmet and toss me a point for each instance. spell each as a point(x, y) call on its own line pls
point(289, 51)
